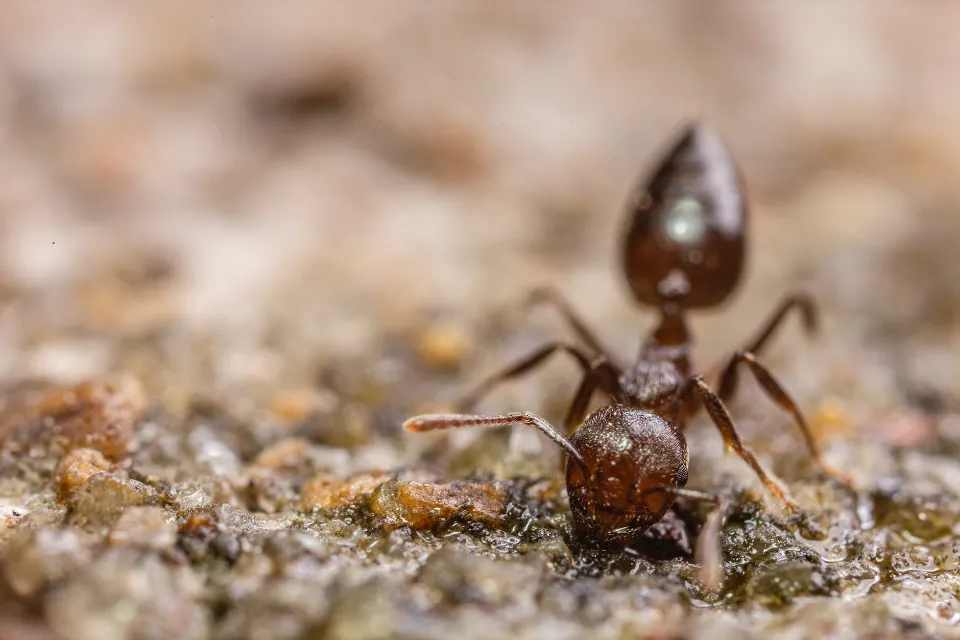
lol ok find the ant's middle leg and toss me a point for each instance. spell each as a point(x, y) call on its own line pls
point(779, 395)
point(724, 423)
point(525, 365)
point(555, 299)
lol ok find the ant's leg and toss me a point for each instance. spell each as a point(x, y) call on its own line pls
point(521, 367)
point(778, 394)
point(807, 307)
point(433, 422)
point(802, 302)
point(708, 553)
point(721, 418)
point(578, 408)
point(602, 375)
point(581, 401)
point(557, 301)
point(690, 406)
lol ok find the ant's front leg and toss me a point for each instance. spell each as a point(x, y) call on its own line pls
point(779, 395)
point(601, 376)
point(524, 365)
point(724, 423)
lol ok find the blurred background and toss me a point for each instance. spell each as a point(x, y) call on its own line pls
point(254, 203)
point(300, 222)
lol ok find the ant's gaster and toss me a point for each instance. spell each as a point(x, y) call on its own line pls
point(684, 250)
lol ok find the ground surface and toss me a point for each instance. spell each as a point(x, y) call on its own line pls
point(259, 238)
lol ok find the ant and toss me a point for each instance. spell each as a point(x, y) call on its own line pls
point(684, 250)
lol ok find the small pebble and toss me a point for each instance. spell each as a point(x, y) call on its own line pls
point(76, 467)
point(287, 455)
point(105, 495)
point(423, 505)
point(323, 492)
point(100, 414)
point(199, 525)
point(349, 427)
point(38, 557)
point(145, 527)
point(443, 347)
point(829, 418)
point(298, 405)
point(126, 593)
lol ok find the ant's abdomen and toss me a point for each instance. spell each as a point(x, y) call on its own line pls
point(686, 240)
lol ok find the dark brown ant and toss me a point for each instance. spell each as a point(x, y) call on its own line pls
point(684, 250)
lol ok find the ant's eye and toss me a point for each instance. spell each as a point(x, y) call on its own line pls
point(682, 476)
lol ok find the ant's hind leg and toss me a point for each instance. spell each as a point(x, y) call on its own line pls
point(803, 303)
point(519, 368)
point(779, 395)
point(724, 423)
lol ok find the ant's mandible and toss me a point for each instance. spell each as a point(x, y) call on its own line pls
point(684, 250)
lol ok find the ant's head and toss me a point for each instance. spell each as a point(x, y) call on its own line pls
point(686, 239)
point(628, 455)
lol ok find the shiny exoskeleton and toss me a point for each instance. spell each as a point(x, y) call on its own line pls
point(684, 249)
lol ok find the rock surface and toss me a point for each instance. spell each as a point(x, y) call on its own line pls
point(239, 246)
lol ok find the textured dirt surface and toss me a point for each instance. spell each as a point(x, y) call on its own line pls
point(240, 246)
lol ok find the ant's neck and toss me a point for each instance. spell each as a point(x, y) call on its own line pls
point(671, 339)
